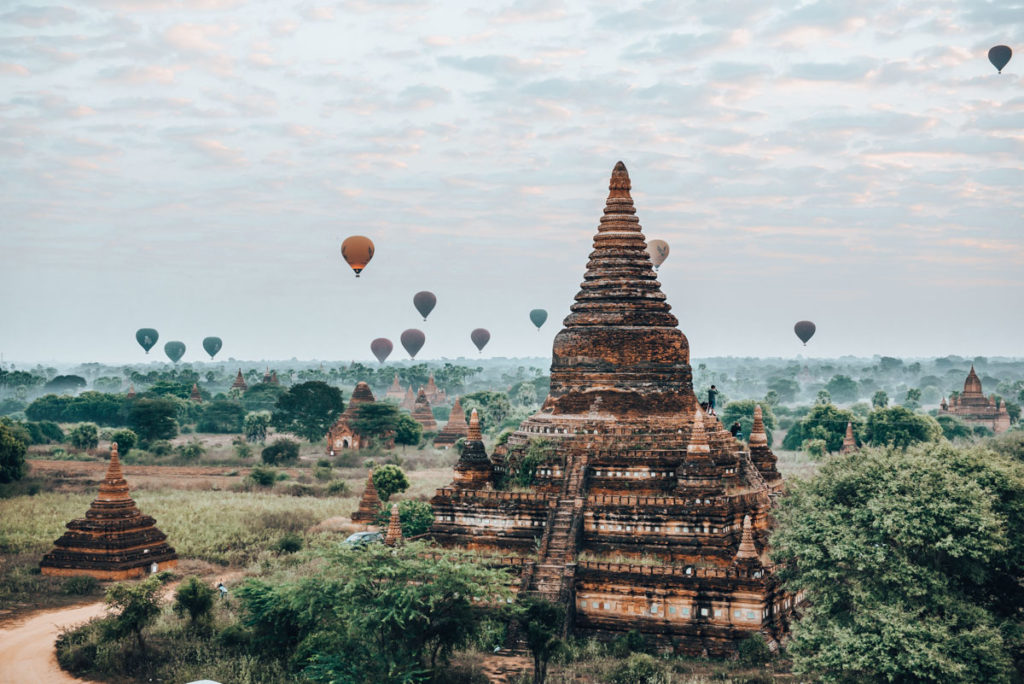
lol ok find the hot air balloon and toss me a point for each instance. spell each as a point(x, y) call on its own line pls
point(480, 338)
point(804, 330)
point(1000, 56)
point(381, 348)
point(424, 303)
point(412, 340)
point(658, 249)
point(357, 251)
point(174, 350)
point(146, 337)
point(212, 345)
point(538, 316)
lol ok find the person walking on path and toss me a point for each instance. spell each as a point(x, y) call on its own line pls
point(712, 395)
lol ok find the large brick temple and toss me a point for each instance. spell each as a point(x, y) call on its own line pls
point(643, 513)
point(974, 408)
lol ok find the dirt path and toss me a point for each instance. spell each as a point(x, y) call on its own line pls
point(26, 647)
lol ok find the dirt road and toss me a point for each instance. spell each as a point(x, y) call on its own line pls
point(26, 646)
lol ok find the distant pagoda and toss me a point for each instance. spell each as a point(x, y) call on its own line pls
point(640, 512)
point(114, 541)
point(435, 395)
point(395, 392)
point(239, 383)
point(342, 435)
point(196, 396)
point(974, 408)
point(422, 414)
point(369, 504)
point(409, 401)
point(455, 429)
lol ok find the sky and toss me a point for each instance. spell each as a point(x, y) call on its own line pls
point(194, 165)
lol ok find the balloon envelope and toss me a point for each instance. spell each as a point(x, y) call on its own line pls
point(357, 251)
point(412, 340)
point(212, 345)
point(804, 330)
point(480, 338)
point(424, 303)
point(174, 350)
point(538, 316)
point(146, 337)
point(1000, 56)
point(658, 249)
point(381, 348)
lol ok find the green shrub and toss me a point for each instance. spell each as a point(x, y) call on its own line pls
point(194, 598)
point(639, 668)
point(416, 517)
point(263, 476)
point(338, 488)
point(322, 473)
point(84, 436)
point(80, 585)
point(388, 480)
point(754, 650)
point(815, 448)
point(126, 440)
point(160, 448)
point(290, 542)
point(281, 452)
point(192, 451)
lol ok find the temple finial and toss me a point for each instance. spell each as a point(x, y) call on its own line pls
point(698, 445)
point(394, 534)
point(474, 428)
point(758, 437)
point(747, 550)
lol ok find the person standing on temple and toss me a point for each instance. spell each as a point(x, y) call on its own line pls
point(735, 428)
point(712, 395)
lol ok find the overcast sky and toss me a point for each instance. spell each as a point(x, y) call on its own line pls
point(193, 166)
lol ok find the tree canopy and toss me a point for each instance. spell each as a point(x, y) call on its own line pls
point(823, 421)
point(900, 427)
point(308, 409)
point(12, 454)
point(911, 563)
point(743, 413)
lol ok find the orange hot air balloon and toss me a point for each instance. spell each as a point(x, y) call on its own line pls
point(357, 251)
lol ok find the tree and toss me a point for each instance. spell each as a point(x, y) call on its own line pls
point(281, 452)
point(12, 454)
point(900, 427)
point(823, 421)
point(84, 436)
point(255, 425)
point(880, 399)
point(407, 430)
point(823, 397)
point(541, 623)
point(367, 615)
point(135, 607)
point(262, 397)
point(911, 562)
point(913, 399)
point(153, 419)
point(126, 440)
point(308, 409)
point(194, 598)
point(63, 384)
point(389, 479)
point(492, 407)
point(221, 416)
point(743, 412)
point(415, 517)
point(376, 420)
point(785, 389)
point(843, 388)
point(953, 428)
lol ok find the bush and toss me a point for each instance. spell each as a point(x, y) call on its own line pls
point(126, 440)
point(161, 448)
point(80, 585)
point(639, 668)
point(338, 488)
point(192, 451)
point(195, 599)
point(389, 479)
point(754, 650)
point(44, 432)
point(84, 436)
point(281, 452)
point(224, 417)
point(290, 542)
point(263, 476)
point(815, 448)
point(12, 454)
point(416, 517)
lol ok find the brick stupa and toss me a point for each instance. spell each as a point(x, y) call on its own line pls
point(369, 504)
point(114, 541)
point(341, 435)
point(422, 414)
point(196, 396)
point(849, 441)
point(455, 429)
point(393, 537)
point(409, 401)
point(974, 408)
point(626, 467)
point(239, 383)
point(395, 393)
point(435, 395)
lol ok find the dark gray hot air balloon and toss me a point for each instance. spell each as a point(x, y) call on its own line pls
point(1000, 56)
point(804, 330)
point(480, 337)
point(381, 348)
point(412, 340)
point(424, 302)
point(212, 345)
point(538, 317)
point(174, 350)
point(146, 337)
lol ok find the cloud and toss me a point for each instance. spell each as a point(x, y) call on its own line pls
point(39, 17)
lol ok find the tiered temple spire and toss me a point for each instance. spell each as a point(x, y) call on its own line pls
point(455, 429)
point(394, 533)
point(369, 503)
point(239, 383)
point(422, 413)
point(115, 540)
point(849, 441)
